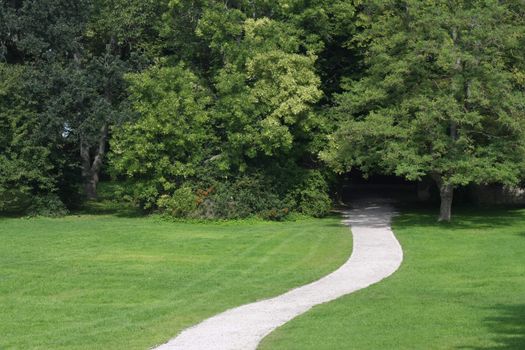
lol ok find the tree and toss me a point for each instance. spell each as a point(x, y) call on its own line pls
point(26, 168)
point(440, 95)
point(79, 53)
point(233, 99)
point(121, 37)
point(266, 93)
point(171, 138)
point(36, 39)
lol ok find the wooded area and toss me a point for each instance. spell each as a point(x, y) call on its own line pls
point(226, 109)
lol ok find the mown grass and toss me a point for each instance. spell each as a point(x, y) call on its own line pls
point(461, 286)
point(117, 282)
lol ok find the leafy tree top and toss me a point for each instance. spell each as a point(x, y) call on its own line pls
point(441, 94)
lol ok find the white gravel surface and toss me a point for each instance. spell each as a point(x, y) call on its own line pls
point(376, 255)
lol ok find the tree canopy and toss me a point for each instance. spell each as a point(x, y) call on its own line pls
point(200, 106)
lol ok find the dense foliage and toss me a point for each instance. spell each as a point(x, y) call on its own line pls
point(220, 109)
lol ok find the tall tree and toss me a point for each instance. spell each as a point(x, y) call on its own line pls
point(37, 39)
point(26, 166)
point(121, 36)
point(171, 138)
point(235, 95)
point(441, 94)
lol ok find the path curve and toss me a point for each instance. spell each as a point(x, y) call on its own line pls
point(376, 255)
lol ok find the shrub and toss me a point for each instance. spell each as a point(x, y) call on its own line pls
point(311, 195)
point(275, 214)
point(14, 201)
point(248, 195)
point(47, 205)
point(142, 194)
point(269, 196)
point(181, 204)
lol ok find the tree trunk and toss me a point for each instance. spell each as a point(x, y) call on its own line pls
point(446, 193)
point(91, 169)
point(90, 186)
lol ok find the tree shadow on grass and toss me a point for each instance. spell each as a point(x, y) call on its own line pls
point(462, 218)
point(112, 208)
point(407, 215)
point(101, 207)
point(369, 215)
point(508, 329)
point(5, 216)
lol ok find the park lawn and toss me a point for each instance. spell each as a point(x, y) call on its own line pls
point(461, 286)
point(109, 282)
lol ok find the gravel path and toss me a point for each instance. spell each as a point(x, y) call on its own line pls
point(376, 255)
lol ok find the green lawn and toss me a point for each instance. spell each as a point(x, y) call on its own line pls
point(461, 286)
point(109, 282)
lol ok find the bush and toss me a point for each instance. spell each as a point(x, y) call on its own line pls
point(268, 196)
point(14, 201)
point(142, 194)
point(48, 205)
point(181, 204)
point(246, 196)
point(275, 214)
point(311, 195)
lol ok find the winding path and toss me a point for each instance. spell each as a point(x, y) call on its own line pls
point(376, 255)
